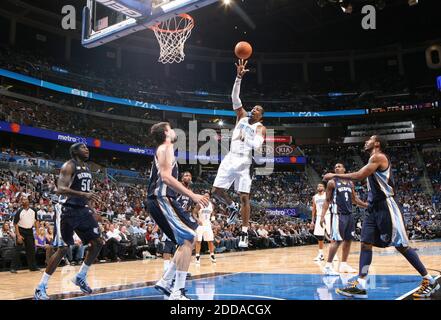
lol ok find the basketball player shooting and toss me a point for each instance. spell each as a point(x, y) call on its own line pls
point(384, 225)
point(74, 186)
point(248, 135)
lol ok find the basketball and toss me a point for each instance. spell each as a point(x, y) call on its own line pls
point(243, 50)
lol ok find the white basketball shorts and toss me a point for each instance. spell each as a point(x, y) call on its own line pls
point(234, 168)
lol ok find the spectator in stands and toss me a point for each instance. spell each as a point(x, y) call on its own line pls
point(25, 219)
point(8, 250)
point(127, 243)
point(41, 213)
point(42, 245)
point(112, 246)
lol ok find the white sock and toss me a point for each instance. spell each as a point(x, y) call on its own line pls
point(430, 278)
point(170, 273)
point(197, 255)
point(328, 265)
point(44, 280)
point(181, 276)
point(83, 270)
point(320, 251)
point(343, 264)
point(166, 264)
point(362, 283)
point(245, 229)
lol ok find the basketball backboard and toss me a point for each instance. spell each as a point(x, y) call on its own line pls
point(129, 16)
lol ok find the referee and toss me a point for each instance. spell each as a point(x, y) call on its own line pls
point(24, 220)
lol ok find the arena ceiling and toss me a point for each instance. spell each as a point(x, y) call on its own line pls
point(284, 25)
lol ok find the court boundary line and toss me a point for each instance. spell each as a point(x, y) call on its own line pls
point(210, 275)
point(402, 297)
point(215, 294)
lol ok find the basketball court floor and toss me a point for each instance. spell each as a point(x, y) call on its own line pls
point(273, 274)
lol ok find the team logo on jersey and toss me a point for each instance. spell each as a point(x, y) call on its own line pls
point(192, 219)
point(95, 230)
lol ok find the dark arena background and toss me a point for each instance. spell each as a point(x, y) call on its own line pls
point(330, 74)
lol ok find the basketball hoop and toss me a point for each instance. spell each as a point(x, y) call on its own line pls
point(171, 35)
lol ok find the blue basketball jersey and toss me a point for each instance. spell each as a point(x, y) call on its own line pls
point(342, 199)
point(381, 185)
point(185, 202)
point(82, 181)
point(157, 187)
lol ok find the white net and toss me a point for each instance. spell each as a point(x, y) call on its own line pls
point(171, 35)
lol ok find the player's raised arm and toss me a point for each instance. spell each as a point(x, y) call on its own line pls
point(235, 95)
point(376, 161)
point(165, 159)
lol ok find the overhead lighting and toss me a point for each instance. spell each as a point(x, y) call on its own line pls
point(413, 2)
point(227, 2)
point(346, 7)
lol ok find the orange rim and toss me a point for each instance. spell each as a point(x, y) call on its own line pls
point(182, 15)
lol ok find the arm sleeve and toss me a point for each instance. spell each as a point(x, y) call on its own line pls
point(237, 103)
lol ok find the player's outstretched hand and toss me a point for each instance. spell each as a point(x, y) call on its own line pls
point(241, 68)
point(328, 176)
point(202, 200)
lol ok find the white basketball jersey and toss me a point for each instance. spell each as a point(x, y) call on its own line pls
point(319, 200)
point(248, 131)
point(204, 214)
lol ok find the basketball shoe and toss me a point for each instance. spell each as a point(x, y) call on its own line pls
point(179, 295)
point(233, 211)
point(320, 257)
point(165, 287)
point(40, 293)
point(353, 290)
point(82, 283)
point(426, 289)
point(243, 241)
point(329, 270)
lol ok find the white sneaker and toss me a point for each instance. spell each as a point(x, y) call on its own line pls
point(198, 259)
point(165, 287)
point(243, 242)
point(213, 258)
point(178, 295)
point(345, 268)
point(320, 257)
point(329, 271)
